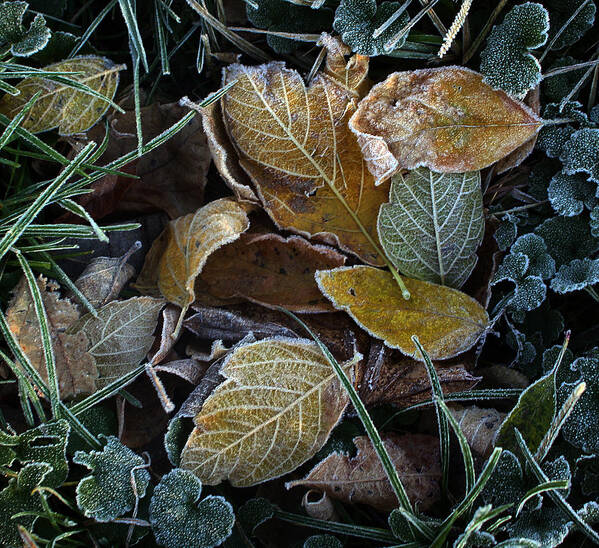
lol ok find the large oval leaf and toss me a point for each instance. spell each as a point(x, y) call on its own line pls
point(446, 321)
point(433, 225)
point(275, 410)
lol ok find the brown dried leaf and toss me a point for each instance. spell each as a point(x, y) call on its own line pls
point(480, 426)
point(362, 479)
point(179, 254)
point(446, 119)
point(75, 368)
point(295, 145)
point(269, 270)
point(274, 411)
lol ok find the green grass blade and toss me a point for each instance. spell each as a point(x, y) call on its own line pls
point(134, 34)
point(92, 27)
point(542, 488)
point(16, 121)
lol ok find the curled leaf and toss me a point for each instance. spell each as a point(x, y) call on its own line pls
point(446, 119)
point(274, 411)
point(61, 105)
point(446, 321)
point(479, 426)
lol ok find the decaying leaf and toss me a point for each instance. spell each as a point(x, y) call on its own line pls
point(479, 425)
point(268, 269)
point(75, 367)
point(179, 254)
point(275, 410)
point(295, 145)
point(121, 336)
point(446, 321)
point(446, 119)
point(60, 105)
point(390, 378)
point(433, 224)
point(362, 479)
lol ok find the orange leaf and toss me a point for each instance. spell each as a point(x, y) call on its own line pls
point(446, 119)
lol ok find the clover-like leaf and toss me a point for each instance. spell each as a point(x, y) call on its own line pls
point(507, 62)
point(506, 485)
point(23, 42)
point(118, 477)
point(46, 443)
point(561, 12)
point(570, 194)
point(576, 275)
point(322, 541)
point(506, 232)
point(433, 225)
point(179, 518)
point(581, 153)
point(560, 85)
point(594, 222)
point(357, 20)
point(253, 513)
point(540, 263)
point(18, 497)
point(63, 106)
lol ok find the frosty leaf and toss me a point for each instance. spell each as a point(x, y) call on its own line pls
point(581, 153)
point(582, 426)
point(118, 477)
point(506, 485)
point(274, 411)
point(75, 368)
point(479, 426)
point(576, 275)
point(560, 13)
point(446, 321)
point(362, 479)
point(282, 15)
point(46, 443)
point(560, 85)
point(433, 225)
point(553, 138)
point(569, 194)
point(506, 232)
point(507, 62)
point(268, 269)
point(120, 336)
point(533, 247)
point(323, 541)
point(546, 526)
point(62, 106)
point(179, 518)
point(253, 513)
point(179, 254)
point(567, 238)
point(356, 22)
point(594, 222)
point(446, 119)
point(23, 42)
point(17, 497)
point(295, 145)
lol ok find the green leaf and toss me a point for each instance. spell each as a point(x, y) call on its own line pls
point(540, 263)
point(72, 105)
point(581, 153)
point(559, 86)
point(357, 21)
point(108, 492)
point(578, 274)
point(17, 497)
point(23, 42)
point(560, 12)
point(570, 194)
point(506, 485)
point(179, 518)
point(433, 225)
point(120, 336)
point(323, 541)
point(253, 513)
point(46, 443)
point(507, 62)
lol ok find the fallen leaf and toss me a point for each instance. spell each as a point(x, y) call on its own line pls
point(166, 342)
point(171, 178)
point(270, 270)
point(121, 336)
point(446, 321)
point(295, 145)
point(433, 225)
point(75, 367)
point(478, 425)
point(60, 105)
point(104, 278)
point(446, 119)
point(390, 378)
point(279, 402)
point(179, 254)
point(362, 479)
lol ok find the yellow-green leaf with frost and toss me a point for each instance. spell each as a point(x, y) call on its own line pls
point(446, 119)
point(61, 105)
point(275, 410)
point(446, 321)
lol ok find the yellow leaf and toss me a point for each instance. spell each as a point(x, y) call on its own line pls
point(62, 106)
point(446, 119)
point(275, 410)
point(446, 321)
point(294, 143)
point(179, 254)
